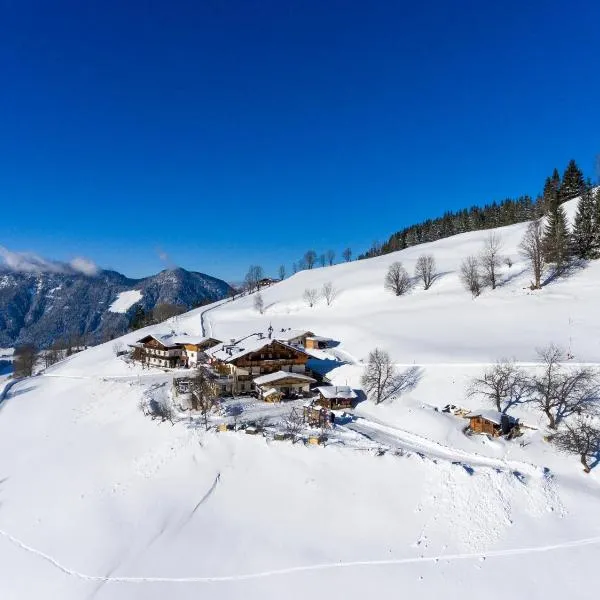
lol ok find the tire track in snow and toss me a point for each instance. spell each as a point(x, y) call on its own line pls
point(305, 568)
point(405, 440)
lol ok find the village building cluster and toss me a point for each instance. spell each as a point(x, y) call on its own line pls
point(271, 366)
point(274, 367)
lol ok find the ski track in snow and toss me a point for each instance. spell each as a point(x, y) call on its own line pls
point(304, 568)
point(404, 440)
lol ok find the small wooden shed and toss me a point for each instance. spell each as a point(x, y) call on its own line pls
point(335, 397)
point(491, 422)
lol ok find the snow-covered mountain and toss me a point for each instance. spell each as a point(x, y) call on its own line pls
point(99, 501)
point(43, 307)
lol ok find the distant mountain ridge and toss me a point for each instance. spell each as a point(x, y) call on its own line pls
point(42, 307)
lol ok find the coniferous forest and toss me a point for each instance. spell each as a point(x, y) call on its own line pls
point(584, 242)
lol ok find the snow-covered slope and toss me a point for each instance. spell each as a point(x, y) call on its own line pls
point(442, 324)
point(98, 501)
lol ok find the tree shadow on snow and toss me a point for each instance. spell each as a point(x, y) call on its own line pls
point(574, 266)
point(409, 379)
point(514, 274)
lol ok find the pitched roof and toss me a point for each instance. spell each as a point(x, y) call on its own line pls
point(491, 415)
point(165, 340)
point(291, 334)
point(336, 391)
point(279, 375)
point(243, 347)
point(195, 341)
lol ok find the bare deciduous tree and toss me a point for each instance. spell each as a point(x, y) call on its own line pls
point(203, 393)
point(532, 249)
point(508, 261)
point(425, 270)
point(310, 296)
point(329, 293)
point(397, 279)
point(503, 385)
point(560, 393)
point(293, 423)
point(118, 348)
point(490, 259)
point(282, 272)
point(259, 303)
point(381, 380)
point(310, 258)
point(582, 437)
point(470, 276)
point(347, 254)
point(253, 276)
point(322, 260)
point(25, 357)
point(330, 257)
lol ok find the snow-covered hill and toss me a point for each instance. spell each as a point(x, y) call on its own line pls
point(99, 501)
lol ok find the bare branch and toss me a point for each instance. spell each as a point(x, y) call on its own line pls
point(310, 296)
point(490, 259)
point(532, 249)
point(329, 293)
point(470, 276)
point(397, 279)
point(425, 270)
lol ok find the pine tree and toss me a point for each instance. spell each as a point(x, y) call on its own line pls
point(582, 238)
point(595, 252)
point(573, 183)
point(550, 193)
point(556, 238)
point(138, 319)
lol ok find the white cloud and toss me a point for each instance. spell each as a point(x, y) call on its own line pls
point(28, 262)
point(83, 265)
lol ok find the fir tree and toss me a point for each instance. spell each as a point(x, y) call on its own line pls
point(556, 238)
point(139, 318)
point(573, 183)
point(550, 193)
point(583, 226)
point(595, 252)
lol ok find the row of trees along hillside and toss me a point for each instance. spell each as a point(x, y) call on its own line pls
point(508, 212)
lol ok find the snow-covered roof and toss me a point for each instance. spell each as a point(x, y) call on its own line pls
point(291, 334)
point(242, 347)
point(165, 340)
point(336, 391)
point(270, 392)
point(196, 341)
point(490, 415)
point(279, 375)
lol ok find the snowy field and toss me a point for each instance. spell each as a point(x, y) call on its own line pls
point(99, 501)
point(125, 300)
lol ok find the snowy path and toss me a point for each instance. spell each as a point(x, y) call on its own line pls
point(304, 568)
point(399, 439)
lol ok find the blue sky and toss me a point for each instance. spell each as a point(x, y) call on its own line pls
point(219, 134)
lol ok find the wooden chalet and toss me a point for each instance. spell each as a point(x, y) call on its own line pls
point(195, 349)
point(491, 422)
point(267, 281)
point(335, 397)
point(240, 362)
point(281, 385)
point(158, 351)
